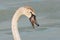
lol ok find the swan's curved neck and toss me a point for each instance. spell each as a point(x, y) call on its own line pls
point(14, 26)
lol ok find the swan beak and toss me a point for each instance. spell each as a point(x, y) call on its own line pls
point(33, 20)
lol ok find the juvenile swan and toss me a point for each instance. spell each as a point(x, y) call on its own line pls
point(27, 11)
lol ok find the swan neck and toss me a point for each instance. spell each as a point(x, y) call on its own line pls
point(15, 32)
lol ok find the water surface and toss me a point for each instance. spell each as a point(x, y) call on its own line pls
point(48, 16)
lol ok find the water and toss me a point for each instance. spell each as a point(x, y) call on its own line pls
point(48, 16)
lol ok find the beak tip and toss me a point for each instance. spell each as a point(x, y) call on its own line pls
point(38, 25)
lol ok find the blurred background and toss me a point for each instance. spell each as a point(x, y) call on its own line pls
point(47, 13)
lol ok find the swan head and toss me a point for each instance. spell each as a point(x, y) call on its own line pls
point(29, 12)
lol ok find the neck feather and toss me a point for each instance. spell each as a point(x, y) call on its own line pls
point(14, 26)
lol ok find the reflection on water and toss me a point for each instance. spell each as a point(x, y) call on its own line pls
point(48, 16)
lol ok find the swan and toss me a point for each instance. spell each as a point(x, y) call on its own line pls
point(27, 11)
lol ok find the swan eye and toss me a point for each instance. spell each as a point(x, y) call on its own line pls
point(31, 12)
